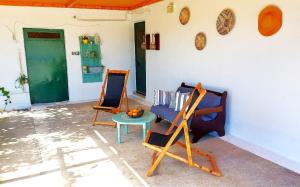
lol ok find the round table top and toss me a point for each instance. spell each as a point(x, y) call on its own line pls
point(124, 119)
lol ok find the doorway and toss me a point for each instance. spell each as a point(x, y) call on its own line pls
point(46, 65)
point(140, 58)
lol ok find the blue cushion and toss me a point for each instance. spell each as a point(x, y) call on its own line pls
point(167, 113)
point(208, 117)
point(164, 112)
point(210, 100)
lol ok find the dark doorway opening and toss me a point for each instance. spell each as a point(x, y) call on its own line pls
point(140, 58)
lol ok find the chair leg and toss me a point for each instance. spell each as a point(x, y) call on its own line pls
point(127, 107)
point(164, 150)
point(188, 146)
point(215, 169)
point(156, 162)
point(107, 123)
point(158, 119)
point(197, 136)
point(221, 131)
point(154, 157)
point(95, 117)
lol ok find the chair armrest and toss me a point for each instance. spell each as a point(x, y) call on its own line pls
point(205, 111)
point(102, 107)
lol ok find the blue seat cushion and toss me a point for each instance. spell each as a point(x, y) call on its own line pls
point(164, 112)
point(167, 113)
point(210, 100)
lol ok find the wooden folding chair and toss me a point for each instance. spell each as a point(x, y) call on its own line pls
point(161, 143)
point(112, 95)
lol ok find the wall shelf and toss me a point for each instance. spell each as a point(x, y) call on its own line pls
point(90, 60)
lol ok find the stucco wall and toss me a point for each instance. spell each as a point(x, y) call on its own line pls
point(117, 46)
point(260, 73)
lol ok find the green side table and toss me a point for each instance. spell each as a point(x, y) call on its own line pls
point(123, 119)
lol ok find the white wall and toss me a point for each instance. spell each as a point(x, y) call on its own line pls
point(260, 74)
point(117, 46)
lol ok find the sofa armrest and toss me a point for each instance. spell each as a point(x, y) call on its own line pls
point(206, 111)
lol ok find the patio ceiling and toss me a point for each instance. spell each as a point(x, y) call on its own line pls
point(90, 4)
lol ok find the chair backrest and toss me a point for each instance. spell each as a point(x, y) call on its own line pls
point(191, 104)
point(116, 83)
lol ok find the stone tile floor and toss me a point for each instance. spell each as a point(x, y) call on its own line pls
point(58, 146)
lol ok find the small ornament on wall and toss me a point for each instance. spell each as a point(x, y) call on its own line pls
point(184, 15)
point(225, 21)
point(152, 41)
point(200, 41)
point(97, 39)
point(170, 8)
point(270, 20)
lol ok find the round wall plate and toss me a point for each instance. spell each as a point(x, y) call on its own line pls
point(200, 41)
point(184, 15)
point(270, 20)
point(225, 21)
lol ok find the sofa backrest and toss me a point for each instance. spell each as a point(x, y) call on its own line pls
point(183, 89)
point(211, 99)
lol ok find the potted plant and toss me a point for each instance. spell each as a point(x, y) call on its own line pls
point(85, 40)
point(21, 81)
point(6, 95)
point(85, 69)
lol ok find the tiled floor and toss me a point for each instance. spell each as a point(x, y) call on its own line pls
point(58, 146)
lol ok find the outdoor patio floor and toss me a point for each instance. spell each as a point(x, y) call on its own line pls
point(58, 146)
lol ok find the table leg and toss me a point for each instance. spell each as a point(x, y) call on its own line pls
point(119, 132)
point(126, 129)
point(149, 126)
point(144, 130)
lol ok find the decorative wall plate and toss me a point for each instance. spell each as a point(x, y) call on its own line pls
point(270, 20)
point(184, 15)
point(225, 22)
point(200, 41)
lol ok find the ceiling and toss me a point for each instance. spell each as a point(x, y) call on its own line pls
point(90, 4)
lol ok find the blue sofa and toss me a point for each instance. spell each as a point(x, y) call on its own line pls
point(209, 115)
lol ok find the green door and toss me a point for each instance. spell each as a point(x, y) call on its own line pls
point(140, 58)
point(46, 65)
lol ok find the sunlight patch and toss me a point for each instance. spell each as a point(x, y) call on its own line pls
point(30, 170)
point(135, 173)
point(84, 156)
point(103, 173)
point(113, 150)
point(47, 180)
point(101, 137)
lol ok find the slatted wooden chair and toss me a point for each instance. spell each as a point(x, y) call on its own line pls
point(112, 95)
point(161, 143)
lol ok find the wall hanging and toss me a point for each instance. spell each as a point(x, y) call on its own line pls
point(91, 66)
point(170, 7)
point(200, 41)
point(225, 21)
point(152, 42)
point(184, 15)
point(269, 20)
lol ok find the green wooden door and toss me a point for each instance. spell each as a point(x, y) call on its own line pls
point(46, 65)
point(140, 58)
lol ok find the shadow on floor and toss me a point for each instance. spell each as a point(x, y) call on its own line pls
point(58, 146)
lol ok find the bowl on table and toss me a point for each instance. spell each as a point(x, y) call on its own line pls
point(135, 113)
